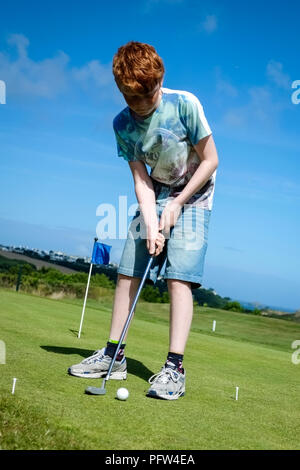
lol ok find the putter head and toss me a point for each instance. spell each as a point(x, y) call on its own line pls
point(95, 390)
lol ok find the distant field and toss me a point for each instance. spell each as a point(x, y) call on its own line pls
point(36, 262)
point(50, 410)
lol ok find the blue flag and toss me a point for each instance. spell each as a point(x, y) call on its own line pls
point(100, 253)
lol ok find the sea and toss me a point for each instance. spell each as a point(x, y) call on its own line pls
point(253, 305)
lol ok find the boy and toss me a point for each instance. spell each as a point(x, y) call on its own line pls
point(167, 130)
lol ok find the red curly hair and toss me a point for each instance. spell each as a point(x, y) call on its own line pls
point(137, 68)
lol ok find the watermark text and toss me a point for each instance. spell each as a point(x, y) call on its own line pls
point(296, 354)
point(2, 352)
point(2, 92)
point(115, 223)
point(296, 94)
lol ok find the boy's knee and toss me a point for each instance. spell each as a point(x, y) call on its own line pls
point(123, 278)
point(177, 284)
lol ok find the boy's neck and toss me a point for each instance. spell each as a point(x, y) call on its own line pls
point(138, 117)
point(142, 118)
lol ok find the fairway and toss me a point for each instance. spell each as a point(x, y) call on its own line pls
point(49, 409)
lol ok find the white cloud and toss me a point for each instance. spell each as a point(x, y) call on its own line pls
point(24, 76)
point(261, 103)
point(259, 186)
point(226, 88)
point(276, 75)
point(223, 86)
point(21, 42)
point(93, 72)
point(259, 113)
point(210, 24)
point(232, 248)
point(49, 77)
point(259, 108)
point(234, 118)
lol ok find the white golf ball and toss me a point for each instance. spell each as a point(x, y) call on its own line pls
point(122, 393)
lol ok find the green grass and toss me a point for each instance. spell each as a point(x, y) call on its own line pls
point(50, 410)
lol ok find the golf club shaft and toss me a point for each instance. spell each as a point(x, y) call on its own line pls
point(129, 316)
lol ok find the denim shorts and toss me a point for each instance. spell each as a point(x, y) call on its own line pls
point(184, 251)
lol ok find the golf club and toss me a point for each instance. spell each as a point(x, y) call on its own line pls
point(101, 390)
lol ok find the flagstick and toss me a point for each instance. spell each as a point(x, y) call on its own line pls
point(85, 297)
point(14, 385)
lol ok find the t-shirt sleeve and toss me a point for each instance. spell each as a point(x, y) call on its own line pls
point(194, 119)
point(123, 147)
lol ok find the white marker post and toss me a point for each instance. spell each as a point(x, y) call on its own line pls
point(236, 393)
point(14, 386)
point(214, 325)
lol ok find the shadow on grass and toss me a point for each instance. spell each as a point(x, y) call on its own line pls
point(134, 367)
point(74, 332)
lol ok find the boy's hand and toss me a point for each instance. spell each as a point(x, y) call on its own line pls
point(160, 243)
point(155, 241)
point(169, 216)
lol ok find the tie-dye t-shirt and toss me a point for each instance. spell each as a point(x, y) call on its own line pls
point(165, 140)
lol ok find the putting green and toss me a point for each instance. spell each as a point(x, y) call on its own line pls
point(49, 409)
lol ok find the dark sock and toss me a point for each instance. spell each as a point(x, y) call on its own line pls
point(176, 359)
point(111, 349)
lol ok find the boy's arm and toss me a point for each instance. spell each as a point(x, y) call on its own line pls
point(207, 152)
point(146, 198)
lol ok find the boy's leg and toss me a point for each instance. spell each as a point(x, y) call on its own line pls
point(96, 366)
point(186, 251)
point(130, 272)
point(169, 383)
point(125, 292)
point(126, 289)
point(181, 309)
point(181, 314)
point(186, 255)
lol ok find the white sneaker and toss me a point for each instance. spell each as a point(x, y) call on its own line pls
point(168, 384)
point(96, 366)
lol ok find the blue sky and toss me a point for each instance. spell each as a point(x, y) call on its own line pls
point(58, 157)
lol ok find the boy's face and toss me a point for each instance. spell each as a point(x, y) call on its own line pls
point(144, 105)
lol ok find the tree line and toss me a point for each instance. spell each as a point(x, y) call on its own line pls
point(47, 281)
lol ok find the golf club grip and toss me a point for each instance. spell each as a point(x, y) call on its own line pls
point(130, 315)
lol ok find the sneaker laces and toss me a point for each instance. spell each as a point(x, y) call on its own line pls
point(95, 357)
point(165, 375)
